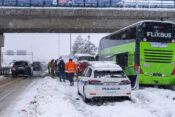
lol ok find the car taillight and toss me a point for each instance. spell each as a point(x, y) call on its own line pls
point(173, 73)
point(128, 81)
point(14, 65)
point(27, 66)
point(125, 82)
point(128, 93)
point(92, 93)
point(141, 72)
point(93, 82)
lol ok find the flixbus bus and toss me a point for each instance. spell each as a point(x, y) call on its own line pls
point(148, 44)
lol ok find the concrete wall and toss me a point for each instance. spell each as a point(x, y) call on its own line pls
point(77, 20)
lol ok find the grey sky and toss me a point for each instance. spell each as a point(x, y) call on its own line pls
point(44, 45)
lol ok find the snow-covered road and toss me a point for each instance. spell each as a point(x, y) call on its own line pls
point(49, 98)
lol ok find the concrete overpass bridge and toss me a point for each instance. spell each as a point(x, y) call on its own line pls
point(75, 20)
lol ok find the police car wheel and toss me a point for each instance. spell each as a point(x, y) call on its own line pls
point(84, 97)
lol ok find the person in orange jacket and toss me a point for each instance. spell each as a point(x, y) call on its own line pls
point(71, 68)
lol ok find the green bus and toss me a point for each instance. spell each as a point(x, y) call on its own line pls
point(147, 44)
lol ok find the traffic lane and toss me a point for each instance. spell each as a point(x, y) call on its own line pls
point(11, 89)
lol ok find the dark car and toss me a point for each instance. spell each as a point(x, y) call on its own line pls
point(37, 66)
point(22, 68)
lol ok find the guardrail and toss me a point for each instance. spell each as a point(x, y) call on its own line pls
point(90, 3)
point(5, 71)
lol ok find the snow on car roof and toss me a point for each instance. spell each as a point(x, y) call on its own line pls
point(83, 55)
point(105, 65)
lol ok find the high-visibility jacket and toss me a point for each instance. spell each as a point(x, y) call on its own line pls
point(52, 64)
point(71, 67)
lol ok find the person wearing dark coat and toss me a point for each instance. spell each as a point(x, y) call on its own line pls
point(61, 66)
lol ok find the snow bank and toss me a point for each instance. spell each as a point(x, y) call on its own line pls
point(1, 77)
point(44, 100)
point(49, 98)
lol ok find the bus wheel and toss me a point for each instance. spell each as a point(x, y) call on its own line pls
point(172, 87)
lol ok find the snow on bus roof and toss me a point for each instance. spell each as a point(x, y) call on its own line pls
point(105, 65)
point(134, 25)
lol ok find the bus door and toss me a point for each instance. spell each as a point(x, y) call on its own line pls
point(122, 60)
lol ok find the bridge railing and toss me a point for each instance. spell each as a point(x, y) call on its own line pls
point(5, 71)
point(90, 3)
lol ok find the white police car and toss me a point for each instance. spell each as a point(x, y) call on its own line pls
point(103, 80)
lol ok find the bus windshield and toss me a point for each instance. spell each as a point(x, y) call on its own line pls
point(158, 32)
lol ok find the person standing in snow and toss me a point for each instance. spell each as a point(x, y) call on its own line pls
point(49, 67)
point(52, 63)
point(61, 67)
point(56, 68)
point(71, 68)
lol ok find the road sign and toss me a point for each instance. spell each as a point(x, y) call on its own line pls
point(10, 52)
point(21, 52)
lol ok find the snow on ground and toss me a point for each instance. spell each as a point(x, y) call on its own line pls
point(50, 98)
point(1, 77)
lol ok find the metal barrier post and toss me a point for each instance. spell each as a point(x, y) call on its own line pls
point(57, 3)
point(97, 3)
point(2, 2)
point(43, 3)
point(110, 3)
point(30, 4)
point(16, 2)
point(84, 3)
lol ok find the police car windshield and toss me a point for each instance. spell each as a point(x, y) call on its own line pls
point(86, 58)
point(109, 74)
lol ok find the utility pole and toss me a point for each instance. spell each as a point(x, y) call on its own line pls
point(70, 43)
point(58, 45)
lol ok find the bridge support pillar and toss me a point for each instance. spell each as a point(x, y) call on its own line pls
point(1, 45)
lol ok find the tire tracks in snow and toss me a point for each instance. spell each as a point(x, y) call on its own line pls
point(79, 105)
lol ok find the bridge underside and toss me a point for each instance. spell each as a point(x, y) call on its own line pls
point(75, 20)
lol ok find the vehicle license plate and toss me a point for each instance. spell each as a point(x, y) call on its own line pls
point(111, 83)
point(20, 68)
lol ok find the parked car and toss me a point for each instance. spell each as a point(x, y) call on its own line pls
point(103, 80)
point(82, 61)
point(37, 66)
point(22, 68)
